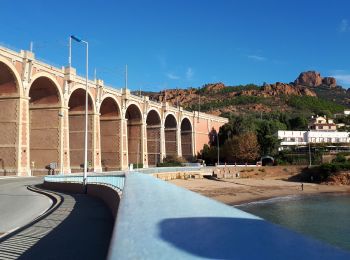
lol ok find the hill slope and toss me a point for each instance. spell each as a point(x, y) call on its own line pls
point(308, 94)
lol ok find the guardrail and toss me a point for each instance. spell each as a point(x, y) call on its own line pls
point(166, 169)
point(114, 180)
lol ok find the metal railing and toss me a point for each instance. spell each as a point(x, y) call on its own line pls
point(166, 169)
point(114, 180)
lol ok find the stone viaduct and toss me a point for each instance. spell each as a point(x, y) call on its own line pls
point(42, 121)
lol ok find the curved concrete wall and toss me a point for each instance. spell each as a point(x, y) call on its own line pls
point(107, 194)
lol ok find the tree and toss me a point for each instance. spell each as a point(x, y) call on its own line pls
point(236, 126)
point(209, 154)
point(242, 148)
point(267, 136)
point(298, 123)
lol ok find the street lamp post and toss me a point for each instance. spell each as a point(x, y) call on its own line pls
point(86, 101)
point(217, 139)
point(309, 141)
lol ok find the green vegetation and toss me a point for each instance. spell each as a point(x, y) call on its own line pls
point(291, 158)
point(314, 105)
point(228, 89)
point(233, 101)
point(323, 172)
point(243, 139)
point(171, 161)
point(263, 129)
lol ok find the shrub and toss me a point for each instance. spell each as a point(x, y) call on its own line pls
point(171, 161)
point(321, 173)
point(339, 158)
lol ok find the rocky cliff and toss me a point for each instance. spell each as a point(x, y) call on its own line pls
point(314, 79)
point(217, 98)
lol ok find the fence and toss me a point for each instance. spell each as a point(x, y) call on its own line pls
point(114, 180)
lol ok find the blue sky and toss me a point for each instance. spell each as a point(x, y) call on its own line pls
point(186, 43)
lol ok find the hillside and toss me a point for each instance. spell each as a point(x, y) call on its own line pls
point(308, 94)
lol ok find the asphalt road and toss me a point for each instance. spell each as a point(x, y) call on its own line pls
point(18, 205)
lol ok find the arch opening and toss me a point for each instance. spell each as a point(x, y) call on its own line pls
point(134, 132)
point(110, 129)
point(153, 137)
point(76, 106)
point(9, 119)
point(170, 129)
point(186, 139)
point(44, 125)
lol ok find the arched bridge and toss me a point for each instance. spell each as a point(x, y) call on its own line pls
point(42, 111)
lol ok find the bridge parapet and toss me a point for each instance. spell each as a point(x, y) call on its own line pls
point(158, 220)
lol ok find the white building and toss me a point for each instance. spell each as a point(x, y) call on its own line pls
point(295, 138)
point(322, 123)
point(322, 130)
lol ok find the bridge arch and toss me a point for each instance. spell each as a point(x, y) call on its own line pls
point(45, 103)
point(133, 116)
point(53, 80)
point(10, 91)
point(153, 129)
point(10, 79)
point(170, 136)
point(76, 114)
point(110, 133)
point(186, 139)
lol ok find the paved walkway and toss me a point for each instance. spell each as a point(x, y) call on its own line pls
point(79, 228)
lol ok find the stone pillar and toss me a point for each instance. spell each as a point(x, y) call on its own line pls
point(193, 134)
point(23, 149)
point(162, 143)
point(178, 140)
point(124, 142)
point(96, 150)
point(144, 156)
point(64, 165)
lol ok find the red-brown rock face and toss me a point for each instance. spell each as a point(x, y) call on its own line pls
point(314, 79)
point(309, 78)
point(329, 81)
point(285, 89)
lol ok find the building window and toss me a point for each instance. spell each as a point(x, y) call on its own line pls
point(329, 140)
point(292, 139)
point(337, 140)
point(329, 127)
point(320, 127)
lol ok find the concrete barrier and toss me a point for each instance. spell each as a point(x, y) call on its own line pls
point(107, 194)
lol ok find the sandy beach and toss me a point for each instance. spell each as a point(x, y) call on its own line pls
point(256, 186)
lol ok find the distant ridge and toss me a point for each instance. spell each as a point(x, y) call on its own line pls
point(219, 99)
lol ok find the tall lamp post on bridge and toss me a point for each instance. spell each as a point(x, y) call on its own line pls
point(217, 140)
point(86, 98)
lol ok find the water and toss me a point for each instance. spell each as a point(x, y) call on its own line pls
point(323, 217)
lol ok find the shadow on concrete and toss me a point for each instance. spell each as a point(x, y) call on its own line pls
point(79, 228)
point(238, 238)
